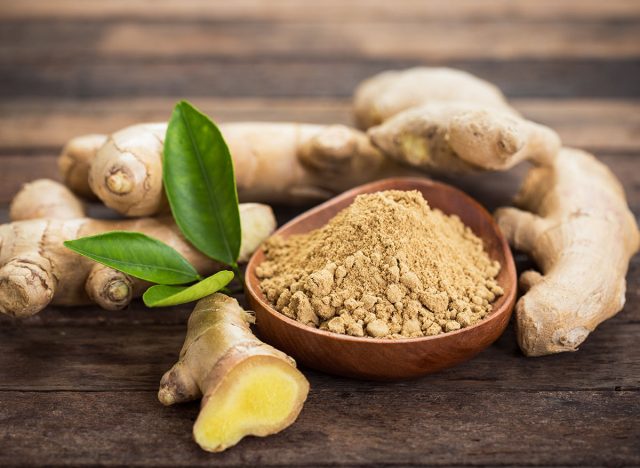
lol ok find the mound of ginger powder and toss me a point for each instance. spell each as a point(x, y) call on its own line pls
point(387, 266)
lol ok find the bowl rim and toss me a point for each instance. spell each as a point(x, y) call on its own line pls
point(508, 300)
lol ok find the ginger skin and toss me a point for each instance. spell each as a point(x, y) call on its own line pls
point(580, 232)
point(36, 269)
point(274, 163)
point(389, 93)
point(462, 138)
point(247, 387)
point(448, 121)
point(74, 162)
point(126, 172)
point(45, 198)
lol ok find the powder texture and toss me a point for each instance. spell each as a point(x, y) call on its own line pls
point(387, 266)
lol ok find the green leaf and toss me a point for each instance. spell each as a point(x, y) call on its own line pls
point(200, 184)
point(137, 255)
point(163, 296)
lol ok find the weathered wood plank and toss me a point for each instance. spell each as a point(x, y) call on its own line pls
point(28, 125)
point(287, 77)
point(49, 123)
point(497, 189)
point(419, 40)
point(77, 385)
point(328, 10)
point(133, 355)
point(390, 425)
point(595, 125)
point(18, 170)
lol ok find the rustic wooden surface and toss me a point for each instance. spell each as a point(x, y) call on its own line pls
point(77, 386)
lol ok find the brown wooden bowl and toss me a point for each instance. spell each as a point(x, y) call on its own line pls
point(386, 359)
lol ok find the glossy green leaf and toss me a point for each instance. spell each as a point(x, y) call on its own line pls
point(200, 184)
point(137, 255)
point(164, 296)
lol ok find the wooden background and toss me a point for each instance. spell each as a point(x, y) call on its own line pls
point(78, 385)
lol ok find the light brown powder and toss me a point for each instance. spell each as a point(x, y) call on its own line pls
point(388, 266)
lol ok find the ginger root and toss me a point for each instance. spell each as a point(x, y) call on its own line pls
point(45, 198)
point(247, 387)
point(444, 120)
point(458, 138)
point(126, 172)
point(74, 162)
point(435, 119)
point(386, 94)
point(36, 269)
point(580, 232)
point(274, 163)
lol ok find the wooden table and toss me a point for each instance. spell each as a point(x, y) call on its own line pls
point(78, 385)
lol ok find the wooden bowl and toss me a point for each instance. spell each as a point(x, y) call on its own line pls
point(386, 359)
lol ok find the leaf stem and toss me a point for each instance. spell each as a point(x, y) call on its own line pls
point(236, 269)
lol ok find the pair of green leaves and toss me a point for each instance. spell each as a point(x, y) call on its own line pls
point(200, 186)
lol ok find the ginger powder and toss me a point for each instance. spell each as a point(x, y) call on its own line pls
point(387, 266)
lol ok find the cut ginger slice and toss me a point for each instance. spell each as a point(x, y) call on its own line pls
point(262, 395)
point(248, 387)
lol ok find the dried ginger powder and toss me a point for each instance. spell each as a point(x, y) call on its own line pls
point(387, 266)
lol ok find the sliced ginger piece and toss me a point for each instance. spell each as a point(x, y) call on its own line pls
point(249, 387)
point(259, 396)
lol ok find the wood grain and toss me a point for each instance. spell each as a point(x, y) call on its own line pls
point(329, 10)
point(421, 39)
point(90, 352)
point(396, 426)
